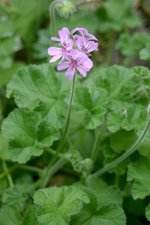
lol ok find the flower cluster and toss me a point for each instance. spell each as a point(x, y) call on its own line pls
point(74, 49)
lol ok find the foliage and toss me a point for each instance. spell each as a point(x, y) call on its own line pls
point(57, 169)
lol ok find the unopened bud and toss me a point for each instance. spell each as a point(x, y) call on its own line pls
point(66, 9)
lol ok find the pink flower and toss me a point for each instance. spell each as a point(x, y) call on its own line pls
point(65, 42)
point(86, 46)
point(74, 49)
point(84, 32)
point(76, 61)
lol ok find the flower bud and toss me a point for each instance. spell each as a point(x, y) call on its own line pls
point(66, 9)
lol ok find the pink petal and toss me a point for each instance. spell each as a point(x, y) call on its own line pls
point(80, 42)
point(54, 51)
point(70, 73)
point(84, 32)
point(82, 71)
point(55, 39)
point(62, 66)
point(70, 44)
point(88, 63)
point(55, 58)
point(92, 46)
point(77, 55)
point(64, 34)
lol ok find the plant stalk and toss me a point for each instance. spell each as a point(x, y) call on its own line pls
point(53, 7)
point(51, 170)
point(129, 152)
point(67, 118)
point(8, 175)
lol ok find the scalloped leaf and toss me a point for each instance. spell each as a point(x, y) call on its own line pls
point(9, 216)
point(27, 134)
point(139, 175)
point(56, 205)
point(92, 104)
point(38, 87)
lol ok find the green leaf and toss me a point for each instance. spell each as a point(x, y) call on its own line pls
point(106, 210)
point(138, 174)
point(8, 46)
point(19, 128)
point(28, 22)
point(9, 216)
point(7, 26)
point(122, 140)
point(144, 149)
point(148, 212)
point(38, 87)
point(47, 132)
point(145, 53)
point(106, 195)
point(57, 205)
point(114, 80)
point(110, 155)
point(92, 105)
point(125, 17)
point(109, 215)
point(124, 115)
point(130, 45)
point(8, 73)
point(16, 196)
point(27, 134)
point(30, 216)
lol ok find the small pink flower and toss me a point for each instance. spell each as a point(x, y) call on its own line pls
point(86, 46)
point(74, 49)
point(65, 41)
point(66, 44)
point(75, 61)
point(84, 32)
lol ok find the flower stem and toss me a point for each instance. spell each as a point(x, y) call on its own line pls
point(129, 152)
point(53, 7)
point(51, 170)
point(95, 148)
point(9, 170)
point(68, 117)
point(8, 175)
point(31, 168)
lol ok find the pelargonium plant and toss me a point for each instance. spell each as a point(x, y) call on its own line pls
point(108, 122)
point(74, 51)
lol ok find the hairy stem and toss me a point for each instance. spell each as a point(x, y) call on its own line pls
point(52, 9)
point(51, 170)
point(95, 148)
point(127, 153)
point(8, 175)
point(31, 168)
point(67, 117)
